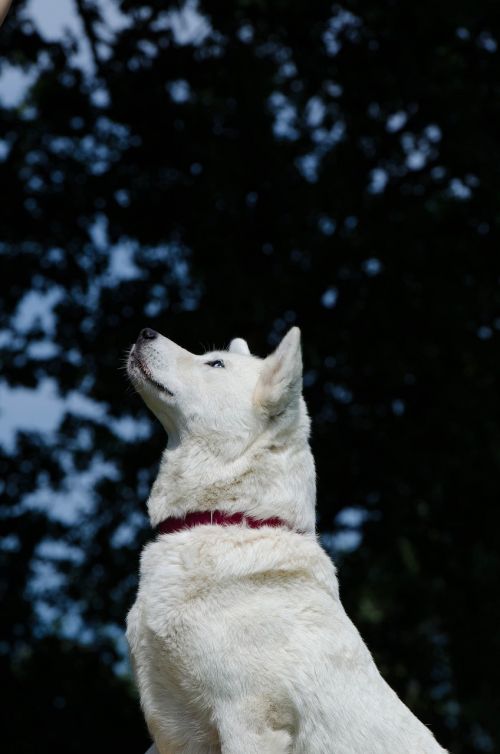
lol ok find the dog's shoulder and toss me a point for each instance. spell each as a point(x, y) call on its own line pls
point(212, 554)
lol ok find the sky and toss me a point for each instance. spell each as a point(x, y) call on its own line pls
point(41, 409)
point(52, 18)
point(58, 18)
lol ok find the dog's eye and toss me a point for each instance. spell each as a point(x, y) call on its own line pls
point(218, 363)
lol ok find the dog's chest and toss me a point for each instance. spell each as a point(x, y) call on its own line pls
point(196, 585)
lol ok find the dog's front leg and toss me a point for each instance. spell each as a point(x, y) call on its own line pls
point(247, 728)
point(153, 750)
point(244, 741)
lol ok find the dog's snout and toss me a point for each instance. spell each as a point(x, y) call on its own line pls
point(148, 334)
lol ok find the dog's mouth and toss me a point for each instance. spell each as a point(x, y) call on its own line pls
point(139, 364)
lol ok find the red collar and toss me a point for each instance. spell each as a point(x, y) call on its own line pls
point(221, 518)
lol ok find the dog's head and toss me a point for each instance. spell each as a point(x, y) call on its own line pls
point(222, 396)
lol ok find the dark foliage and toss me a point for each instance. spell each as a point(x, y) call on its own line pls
point(232, 171)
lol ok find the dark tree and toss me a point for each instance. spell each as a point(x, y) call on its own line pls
point(216, 170)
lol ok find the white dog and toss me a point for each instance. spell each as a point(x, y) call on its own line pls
point(239, 642)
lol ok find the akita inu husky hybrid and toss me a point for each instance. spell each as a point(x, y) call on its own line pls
point(239, 642)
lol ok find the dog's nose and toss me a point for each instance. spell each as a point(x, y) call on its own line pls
point(148, 334)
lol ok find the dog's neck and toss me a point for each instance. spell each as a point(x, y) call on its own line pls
point(267, 480)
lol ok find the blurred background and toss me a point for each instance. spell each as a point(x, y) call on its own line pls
point(212, 170)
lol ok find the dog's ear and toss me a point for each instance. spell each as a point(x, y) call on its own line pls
point(280, 382)
point(238, 345)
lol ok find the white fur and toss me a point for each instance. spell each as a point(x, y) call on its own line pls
point(238, 345)
point(4, 8)
point(239, 642)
